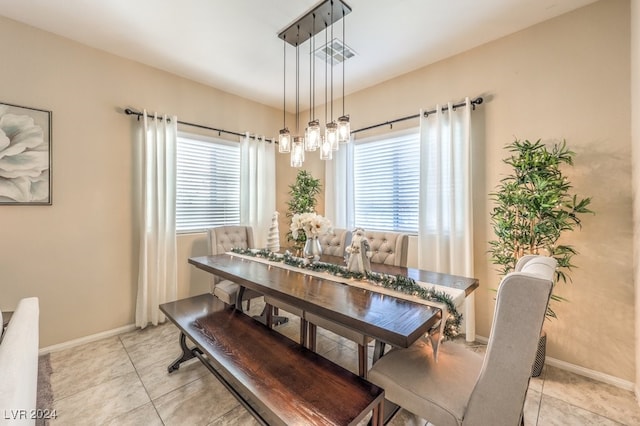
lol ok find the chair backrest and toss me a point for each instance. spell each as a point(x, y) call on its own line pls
point(389, 248)
point(224, 238)
point(335, 244)
point(499, 394)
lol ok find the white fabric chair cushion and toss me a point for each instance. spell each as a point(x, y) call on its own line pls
point(227, 292)
point(408, 374)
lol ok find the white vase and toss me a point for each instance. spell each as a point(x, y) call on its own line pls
point(312, 249)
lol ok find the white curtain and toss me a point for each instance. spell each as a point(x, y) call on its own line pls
point(338, 188)
point(257, 186)
point(157, 275)
point(445, 234)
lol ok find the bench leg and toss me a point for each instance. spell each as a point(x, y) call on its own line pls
point(377, 417)
point(187, 354)
point(363, 360)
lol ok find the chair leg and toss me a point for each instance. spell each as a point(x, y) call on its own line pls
point(248, 304)
point(363, 360)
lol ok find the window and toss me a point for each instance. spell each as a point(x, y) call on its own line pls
point(207, 183)
point(386, 183)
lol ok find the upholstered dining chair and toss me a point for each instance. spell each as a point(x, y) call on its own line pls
point(390, 248)
point(335, 243)
point(222, 239)
point(463, 388)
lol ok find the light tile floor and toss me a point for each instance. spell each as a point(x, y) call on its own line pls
point(123, 380)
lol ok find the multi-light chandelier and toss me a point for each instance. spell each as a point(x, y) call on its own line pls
point(321, 18)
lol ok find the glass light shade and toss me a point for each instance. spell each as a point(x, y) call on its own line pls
point(326, 153)
point(344, 129)
point(331, 135)
point(312, 137)
point(284, 141)
point(297, 151)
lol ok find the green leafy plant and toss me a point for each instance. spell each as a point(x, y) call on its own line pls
point(303, 194)
point(534, 207)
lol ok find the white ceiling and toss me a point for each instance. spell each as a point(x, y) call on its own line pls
point(233, 44)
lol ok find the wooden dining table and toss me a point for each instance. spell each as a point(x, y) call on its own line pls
point(387, 319)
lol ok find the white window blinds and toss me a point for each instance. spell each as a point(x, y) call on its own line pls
point(386, 183)
point(207, 183)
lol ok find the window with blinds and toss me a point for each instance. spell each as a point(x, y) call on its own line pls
point(386, 183)
point(207, 183)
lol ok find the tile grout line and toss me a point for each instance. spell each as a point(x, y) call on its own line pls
point(141, 382)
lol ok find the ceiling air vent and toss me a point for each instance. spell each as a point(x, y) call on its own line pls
point(334, 50)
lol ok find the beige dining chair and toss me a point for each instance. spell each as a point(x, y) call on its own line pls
point(222, 239)
point(389, 248)
point(333, 244)
point(463, 388)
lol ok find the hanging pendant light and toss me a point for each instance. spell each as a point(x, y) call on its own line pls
point(312, 133)
point(326, 153)
point(297, 151)
point(344, 127)
point(284, 136)
point(305, 28)
point(331, 135)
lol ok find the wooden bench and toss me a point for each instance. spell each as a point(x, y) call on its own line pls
point(278, 380)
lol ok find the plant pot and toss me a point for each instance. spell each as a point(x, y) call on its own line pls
point(538, 364)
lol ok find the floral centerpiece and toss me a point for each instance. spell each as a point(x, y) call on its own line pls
point(313, 226)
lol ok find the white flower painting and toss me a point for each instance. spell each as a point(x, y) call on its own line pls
point(25, 155)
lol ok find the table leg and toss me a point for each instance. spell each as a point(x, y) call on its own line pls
point(385, 413)
point(378, 351)
point(274, 319)
point(187, 354)
point(239, 295)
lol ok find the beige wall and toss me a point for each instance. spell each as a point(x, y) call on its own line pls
point(79, 256)
point(635, 143)
point(565, 78)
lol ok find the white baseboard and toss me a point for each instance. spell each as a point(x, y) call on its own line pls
point(586, 372)
point(87, 339)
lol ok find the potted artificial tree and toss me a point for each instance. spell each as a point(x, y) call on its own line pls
point(303, 194)
point(534, 207)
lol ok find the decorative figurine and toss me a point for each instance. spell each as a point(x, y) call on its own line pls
point(273, 239)
point(359, 252)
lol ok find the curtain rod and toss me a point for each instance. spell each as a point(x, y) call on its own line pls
point(476, 101)
point(129, 111)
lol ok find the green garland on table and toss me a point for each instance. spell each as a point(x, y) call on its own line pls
point(399, 283)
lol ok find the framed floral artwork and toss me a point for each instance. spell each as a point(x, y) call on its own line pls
point(25, 155)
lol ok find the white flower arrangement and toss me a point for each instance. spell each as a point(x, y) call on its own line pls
point(312, 224)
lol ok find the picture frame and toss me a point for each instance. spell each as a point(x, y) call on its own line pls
point(25, 155)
